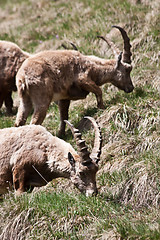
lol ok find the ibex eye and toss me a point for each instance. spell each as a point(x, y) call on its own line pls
point(86, 164)
point(82, 174)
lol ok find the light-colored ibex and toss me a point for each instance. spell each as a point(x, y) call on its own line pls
point(30, 157)
point(11, 58)
point(65, 75)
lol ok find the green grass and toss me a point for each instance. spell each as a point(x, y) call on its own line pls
point(6, 121)
point(127, 205)
point(78, 212)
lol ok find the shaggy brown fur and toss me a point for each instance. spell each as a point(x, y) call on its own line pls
point(11, 58)
point(65, 75)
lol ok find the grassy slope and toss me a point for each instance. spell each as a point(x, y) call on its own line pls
point(128, 180)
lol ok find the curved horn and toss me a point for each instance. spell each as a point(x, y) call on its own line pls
point(73, 45)
point(64, 46)
point(126, 57)
point(82, 148)
point(96, 151)
point(115, 50)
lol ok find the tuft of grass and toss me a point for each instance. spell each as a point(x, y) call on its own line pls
point(55, 215)
point(136, 182)
point(6, 121)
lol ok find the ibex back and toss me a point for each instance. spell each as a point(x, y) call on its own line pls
point(65, 75)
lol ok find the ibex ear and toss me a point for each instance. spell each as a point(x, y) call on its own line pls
point(119, 60)
point(71, 160)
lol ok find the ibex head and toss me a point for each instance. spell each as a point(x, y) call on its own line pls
point(85, 166)
point(123, 67)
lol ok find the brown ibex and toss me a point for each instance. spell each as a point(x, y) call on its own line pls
point(30, 157)
point(11, 58)
point(65, 75)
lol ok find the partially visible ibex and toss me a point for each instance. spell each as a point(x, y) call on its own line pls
point(66, 75)
point(30, 157)
point(11, 58)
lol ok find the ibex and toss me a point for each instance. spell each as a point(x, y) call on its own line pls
point(11, 58)
point(30, 157)
point(65, 75)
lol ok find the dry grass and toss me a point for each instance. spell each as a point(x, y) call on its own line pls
point(130, 163)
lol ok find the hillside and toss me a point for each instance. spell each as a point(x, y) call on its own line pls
point(127, 206)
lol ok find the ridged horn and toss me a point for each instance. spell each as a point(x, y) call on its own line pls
point(113, 47)
point(126, 57)
point(81, 145)
point(96, 151)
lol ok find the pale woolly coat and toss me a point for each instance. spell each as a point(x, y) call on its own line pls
point(28, 149)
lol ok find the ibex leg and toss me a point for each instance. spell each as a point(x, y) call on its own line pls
point(1, 99)
point(23, 111)
point(90, 86)
point(18, 180)
point(9, 102)
point(63, 109)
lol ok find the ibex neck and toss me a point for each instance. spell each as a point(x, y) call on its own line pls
point(103, 73)
point(59, 169)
